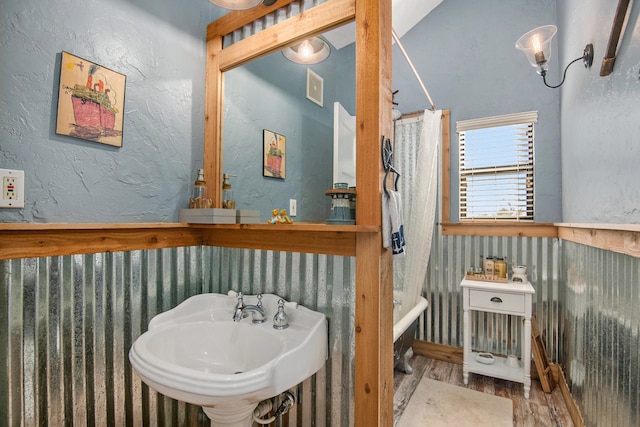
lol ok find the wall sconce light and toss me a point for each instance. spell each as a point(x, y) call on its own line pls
point(536, 45)
point(310, 51)
point(241, 4)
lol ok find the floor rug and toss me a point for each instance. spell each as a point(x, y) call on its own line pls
point(435, 404)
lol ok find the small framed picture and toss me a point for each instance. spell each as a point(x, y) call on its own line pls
point(90, 101)
point(274, 155)
point(315, 87)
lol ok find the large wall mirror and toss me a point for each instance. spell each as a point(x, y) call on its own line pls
point(261, 78)
point(270, 93)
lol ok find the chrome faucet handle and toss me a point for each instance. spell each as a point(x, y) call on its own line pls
point(259, 300)
point(238, 309)
point(240, 304)
point(280, 320)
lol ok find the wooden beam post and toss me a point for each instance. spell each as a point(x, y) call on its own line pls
point(374, 266)
point(213, 121)
point(612, 47)
point(374, 333)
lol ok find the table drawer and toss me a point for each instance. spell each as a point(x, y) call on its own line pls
point(502, 302)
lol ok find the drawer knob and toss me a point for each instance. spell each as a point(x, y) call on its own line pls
point(496, 299)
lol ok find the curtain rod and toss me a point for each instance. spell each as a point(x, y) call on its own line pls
point(412, 114)
point(415, 72)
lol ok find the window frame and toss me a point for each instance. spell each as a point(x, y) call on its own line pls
point(478, 168)
point(451, 227)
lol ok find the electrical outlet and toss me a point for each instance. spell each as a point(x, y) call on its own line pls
point(293, 208)
point(9, 187)
point(12, 188)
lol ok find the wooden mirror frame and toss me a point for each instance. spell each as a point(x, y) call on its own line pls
point(373, 81)
point(312, 22)
point(373, 386)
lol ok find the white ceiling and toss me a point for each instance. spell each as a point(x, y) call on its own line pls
point(406, 14)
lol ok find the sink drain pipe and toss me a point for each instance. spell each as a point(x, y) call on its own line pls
point(264, 407)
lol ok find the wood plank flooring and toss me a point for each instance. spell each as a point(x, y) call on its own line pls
point(540, 410)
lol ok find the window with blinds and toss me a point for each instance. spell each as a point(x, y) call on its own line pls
point(496, 167)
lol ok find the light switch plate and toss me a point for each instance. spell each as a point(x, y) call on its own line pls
point(293, 207)
point(12, 182)
point(315, 87)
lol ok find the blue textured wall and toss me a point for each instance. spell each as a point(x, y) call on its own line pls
point(160, 46)
point(600, 116)
point(465, 54)
point(468, 63)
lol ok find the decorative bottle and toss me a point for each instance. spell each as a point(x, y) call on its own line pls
point(199, 193)
point(228, 201)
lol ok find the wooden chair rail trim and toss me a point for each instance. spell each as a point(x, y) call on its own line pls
point(42, 240)
point(623, 239)
point(341, 243)
point(24, 240)
point(25, 243)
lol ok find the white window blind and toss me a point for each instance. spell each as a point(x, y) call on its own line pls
point(496, 167)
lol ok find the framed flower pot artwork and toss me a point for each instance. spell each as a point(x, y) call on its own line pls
point(90, 101)
point(274, 155)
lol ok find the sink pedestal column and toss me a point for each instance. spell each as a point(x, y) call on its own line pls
point(231, 416)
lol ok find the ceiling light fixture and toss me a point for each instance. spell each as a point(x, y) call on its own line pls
point(310, 51)
point(241, 4)
point(536, 45)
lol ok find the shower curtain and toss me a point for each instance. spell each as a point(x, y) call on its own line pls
point(416, 158)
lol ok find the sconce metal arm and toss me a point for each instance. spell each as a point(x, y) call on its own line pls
point(587, 58)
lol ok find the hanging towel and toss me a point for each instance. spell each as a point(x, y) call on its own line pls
point(392, 226)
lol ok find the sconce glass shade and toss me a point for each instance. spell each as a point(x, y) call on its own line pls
point(311, 51)
point(536, 45)
point(236, 4)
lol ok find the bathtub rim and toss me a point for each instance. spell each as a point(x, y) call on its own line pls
point(403, 324)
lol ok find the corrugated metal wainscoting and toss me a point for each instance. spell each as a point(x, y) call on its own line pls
point(69, 322)
point(451, 256)
point(587, 305)
point(602, 320)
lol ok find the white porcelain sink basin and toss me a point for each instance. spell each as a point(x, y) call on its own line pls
point(196, 352)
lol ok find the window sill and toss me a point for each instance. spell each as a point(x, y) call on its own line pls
point(491, 228)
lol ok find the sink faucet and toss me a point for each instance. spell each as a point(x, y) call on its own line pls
point(258, 313)
point(242, 310)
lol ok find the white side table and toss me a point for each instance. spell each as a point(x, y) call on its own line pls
point(510, 298)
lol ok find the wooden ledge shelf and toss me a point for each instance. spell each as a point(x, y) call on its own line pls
point(24, 240)
point(611, 227)
point(295, 227)
point(27, 226)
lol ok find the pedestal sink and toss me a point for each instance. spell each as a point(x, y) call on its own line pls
point(197, 354)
